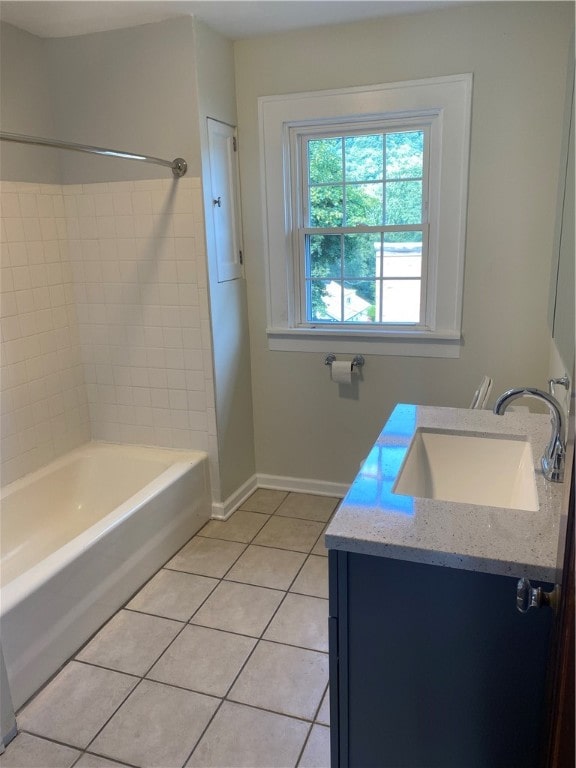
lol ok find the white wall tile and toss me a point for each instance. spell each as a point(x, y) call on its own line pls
point(41, 364)
point(101, 289)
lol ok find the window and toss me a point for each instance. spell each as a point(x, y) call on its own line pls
point(362, 246)
point(365, 199)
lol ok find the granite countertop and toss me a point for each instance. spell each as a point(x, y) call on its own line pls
point(372, 520)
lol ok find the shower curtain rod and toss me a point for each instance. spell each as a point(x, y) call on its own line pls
point(178, 166)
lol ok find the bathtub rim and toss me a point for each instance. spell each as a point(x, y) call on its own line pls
point(21, 587)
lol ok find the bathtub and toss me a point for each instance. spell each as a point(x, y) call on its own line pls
point(79, 537)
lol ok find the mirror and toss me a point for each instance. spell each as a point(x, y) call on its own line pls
point(561, 307)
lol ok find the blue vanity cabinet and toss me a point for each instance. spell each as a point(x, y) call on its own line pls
point(433, 667)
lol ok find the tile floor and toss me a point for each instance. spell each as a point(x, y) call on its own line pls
point(219, 660)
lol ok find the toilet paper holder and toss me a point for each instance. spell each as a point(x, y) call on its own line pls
point(357, 360)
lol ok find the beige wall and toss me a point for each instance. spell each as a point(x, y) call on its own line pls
point(517, 53)
point(26, 107)
point(131, 89)
point(228, 309)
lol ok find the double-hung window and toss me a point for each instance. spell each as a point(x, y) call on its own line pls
point(363, 234)
point(364, 193)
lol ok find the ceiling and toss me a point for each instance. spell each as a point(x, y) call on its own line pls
point(235, 19)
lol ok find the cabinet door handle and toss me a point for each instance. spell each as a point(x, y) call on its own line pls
point(528, 596)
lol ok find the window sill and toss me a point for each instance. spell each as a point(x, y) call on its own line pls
point(361, 341)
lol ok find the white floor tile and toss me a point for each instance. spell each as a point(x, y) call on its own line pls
point(204, 660)
point(242, 526)
point(76, 704)
point(283, 679)
point(27, 751)
point(302, 621)
point(243, 737)
point(206, 557)
point(264, 500)
point(239, 608)
point(308, 507)
point(130, 642)
point(267, 567)
point(313, 578)
point(173, 594)
point(158, 725)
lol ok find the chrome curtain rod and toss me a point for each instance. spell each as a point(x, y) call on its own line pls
point(178, 166)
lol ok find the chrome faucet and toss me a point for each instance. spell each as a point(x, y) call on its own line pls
point(555, 453)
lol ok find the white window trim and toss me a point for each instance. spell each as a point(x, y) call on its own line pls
point(447, 98)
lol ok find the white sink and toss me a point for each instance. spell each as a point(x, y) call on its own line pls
point(469, 468)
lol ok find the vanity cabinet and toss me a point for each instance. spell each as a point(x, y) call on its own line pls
point(433, 667)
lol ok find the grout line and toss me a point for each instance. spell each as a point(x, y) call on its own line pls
point(113, 713)
point(208, 724)
point(105, 757)
point(320, 704)
point(306, 740)
point(170, 618)
point(300, 718)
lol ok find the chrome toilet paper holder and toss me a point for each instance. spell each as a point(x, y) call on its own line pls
point(357, 360)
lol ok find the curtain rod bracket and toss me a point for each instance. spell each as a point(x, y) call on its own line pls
point(179, 167)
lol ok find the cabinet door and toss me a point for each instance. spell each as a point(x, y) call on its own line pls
point(440, 669)
point(225, 200)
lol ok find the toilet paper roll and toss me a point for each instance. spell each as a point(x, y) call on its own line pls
point(342, 371)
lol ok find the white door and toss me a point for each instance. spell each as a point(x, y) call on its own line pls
point(225, 199)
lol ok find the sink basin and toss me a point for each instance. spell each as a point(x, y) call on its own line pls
point(469, 468)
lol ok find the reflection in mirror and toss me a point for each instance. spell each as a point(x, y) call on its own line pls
point(561, 312)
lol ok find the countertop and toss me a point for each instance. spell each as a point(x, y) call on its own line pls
point(372, 520)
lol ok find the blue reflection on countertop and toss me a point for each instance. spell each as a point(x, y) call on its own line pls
point(373, 484)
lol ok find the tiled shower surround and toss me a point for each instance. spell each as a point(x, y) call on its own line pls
point(105, 325)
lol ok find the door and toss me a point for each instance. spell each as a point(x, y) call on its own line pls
point(224, 179)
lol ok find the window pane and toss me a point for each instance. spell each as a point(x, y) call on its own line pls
point(326, 206)
point(402, 259)
point(359, 301)
point(400, 301)
point(364, 157)
point(365, 277)
point(404, 202)
point(324, 256)
point(364, 204)
point(324, 301)
point(325, 160)
point(361, 255)
point(404, 154)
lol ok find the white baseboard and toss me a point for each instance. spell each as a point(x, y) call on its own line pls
point(303, 485)
point(223, 510)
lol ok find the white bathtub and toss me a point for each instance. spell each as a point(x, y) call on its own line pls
point(79, 537)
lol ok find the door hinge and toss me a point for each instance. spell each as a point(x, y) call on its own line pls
point(241, 257)
point(234, 144)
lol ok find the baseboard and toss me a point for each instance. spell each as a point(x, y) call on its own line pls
point(221, 510)
point(303, 485)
